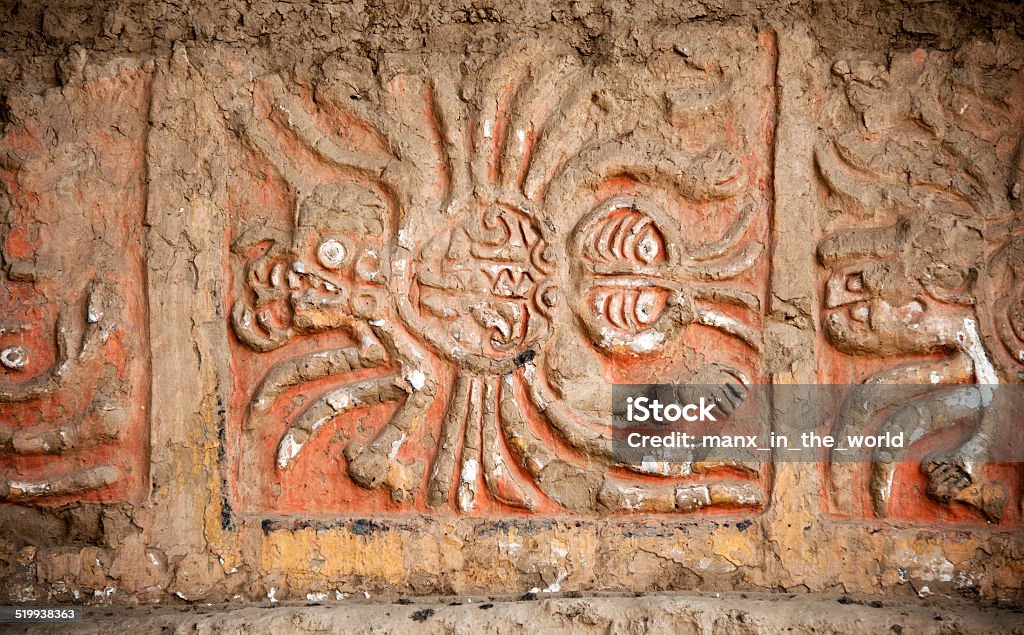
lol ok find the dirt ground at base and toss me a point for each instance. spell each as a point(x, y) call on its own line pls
point(651, 613)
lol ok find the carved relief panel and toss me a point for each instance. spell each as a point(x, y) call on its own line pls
point(437, 269)
point(921, 280)
point(73, 369)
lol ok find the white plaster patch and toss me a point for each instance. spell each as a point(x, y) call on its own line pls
point(32, 488)
point(969, 341)
point(417, 379)
point(287, 451)
point(556, 586)
point(396, 446)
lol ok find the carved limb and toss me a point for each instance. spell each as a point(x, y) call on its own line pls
point(558, 479)
point(586, 436)
point(731, 326)
point(954, 476)
point(471, 448)
point(298, 370)
point(726, 267)
point(338, 401)
point(80, 481)
point(443, 470)
point(729, 239)
point(430, 143)
point(500, 482)
point(448, 109)
point(712, 175)
point(532, 108)
point(552, 474)
point(474, 404)
point(724, 295)
point(857, 412)
point(102, 424)
point(291, 114)
point(563, 135)
point(676, 315)
point(375, 464)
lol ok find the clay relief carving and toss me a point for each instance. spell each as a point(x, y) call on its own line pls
point(72, 374)
point(928, 280)
point(469, 256)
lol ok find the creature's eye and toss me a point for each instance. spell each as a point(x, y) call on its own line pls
point(331, 254)
point(855, 282)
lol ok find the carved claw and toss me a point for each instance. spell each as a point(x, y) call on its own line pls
point(947, 477)
point(953, 479)
point(244, 321)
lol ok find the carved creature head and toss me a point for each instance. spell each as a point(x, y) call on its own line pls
point(337, 245)
point(927, 157)
point(903, 288)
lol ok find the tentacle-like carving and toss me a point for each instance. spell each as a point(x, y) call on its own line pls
point(865, 401)
point(730, 239)
point(339, 401)
point(73, 483)
point(103, 423)
point(535, 103)
point(449, 111)
point(730, 325)
point(934, 411)
point(470, 472)
point(291, 114)
point(565, 134)
point(451, 432)
point(501, 483)
point(589, 439)
point(311, 367)
point(557, 478)
point(726, 295)
point(712, 175)
point(371, 465)
point(731, 266)
point(67, 367)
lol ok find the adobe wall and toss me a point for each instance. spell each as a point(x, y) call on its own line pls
point(304, 301)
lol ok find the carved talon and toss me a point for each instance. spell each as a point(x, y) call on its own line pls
point(946, 478)
point(950, 479)
point(988, 498)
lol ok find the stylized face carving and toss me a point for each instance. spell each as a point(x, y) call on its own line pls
point(888, 292)
point(337, 245)
point(484, 287)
